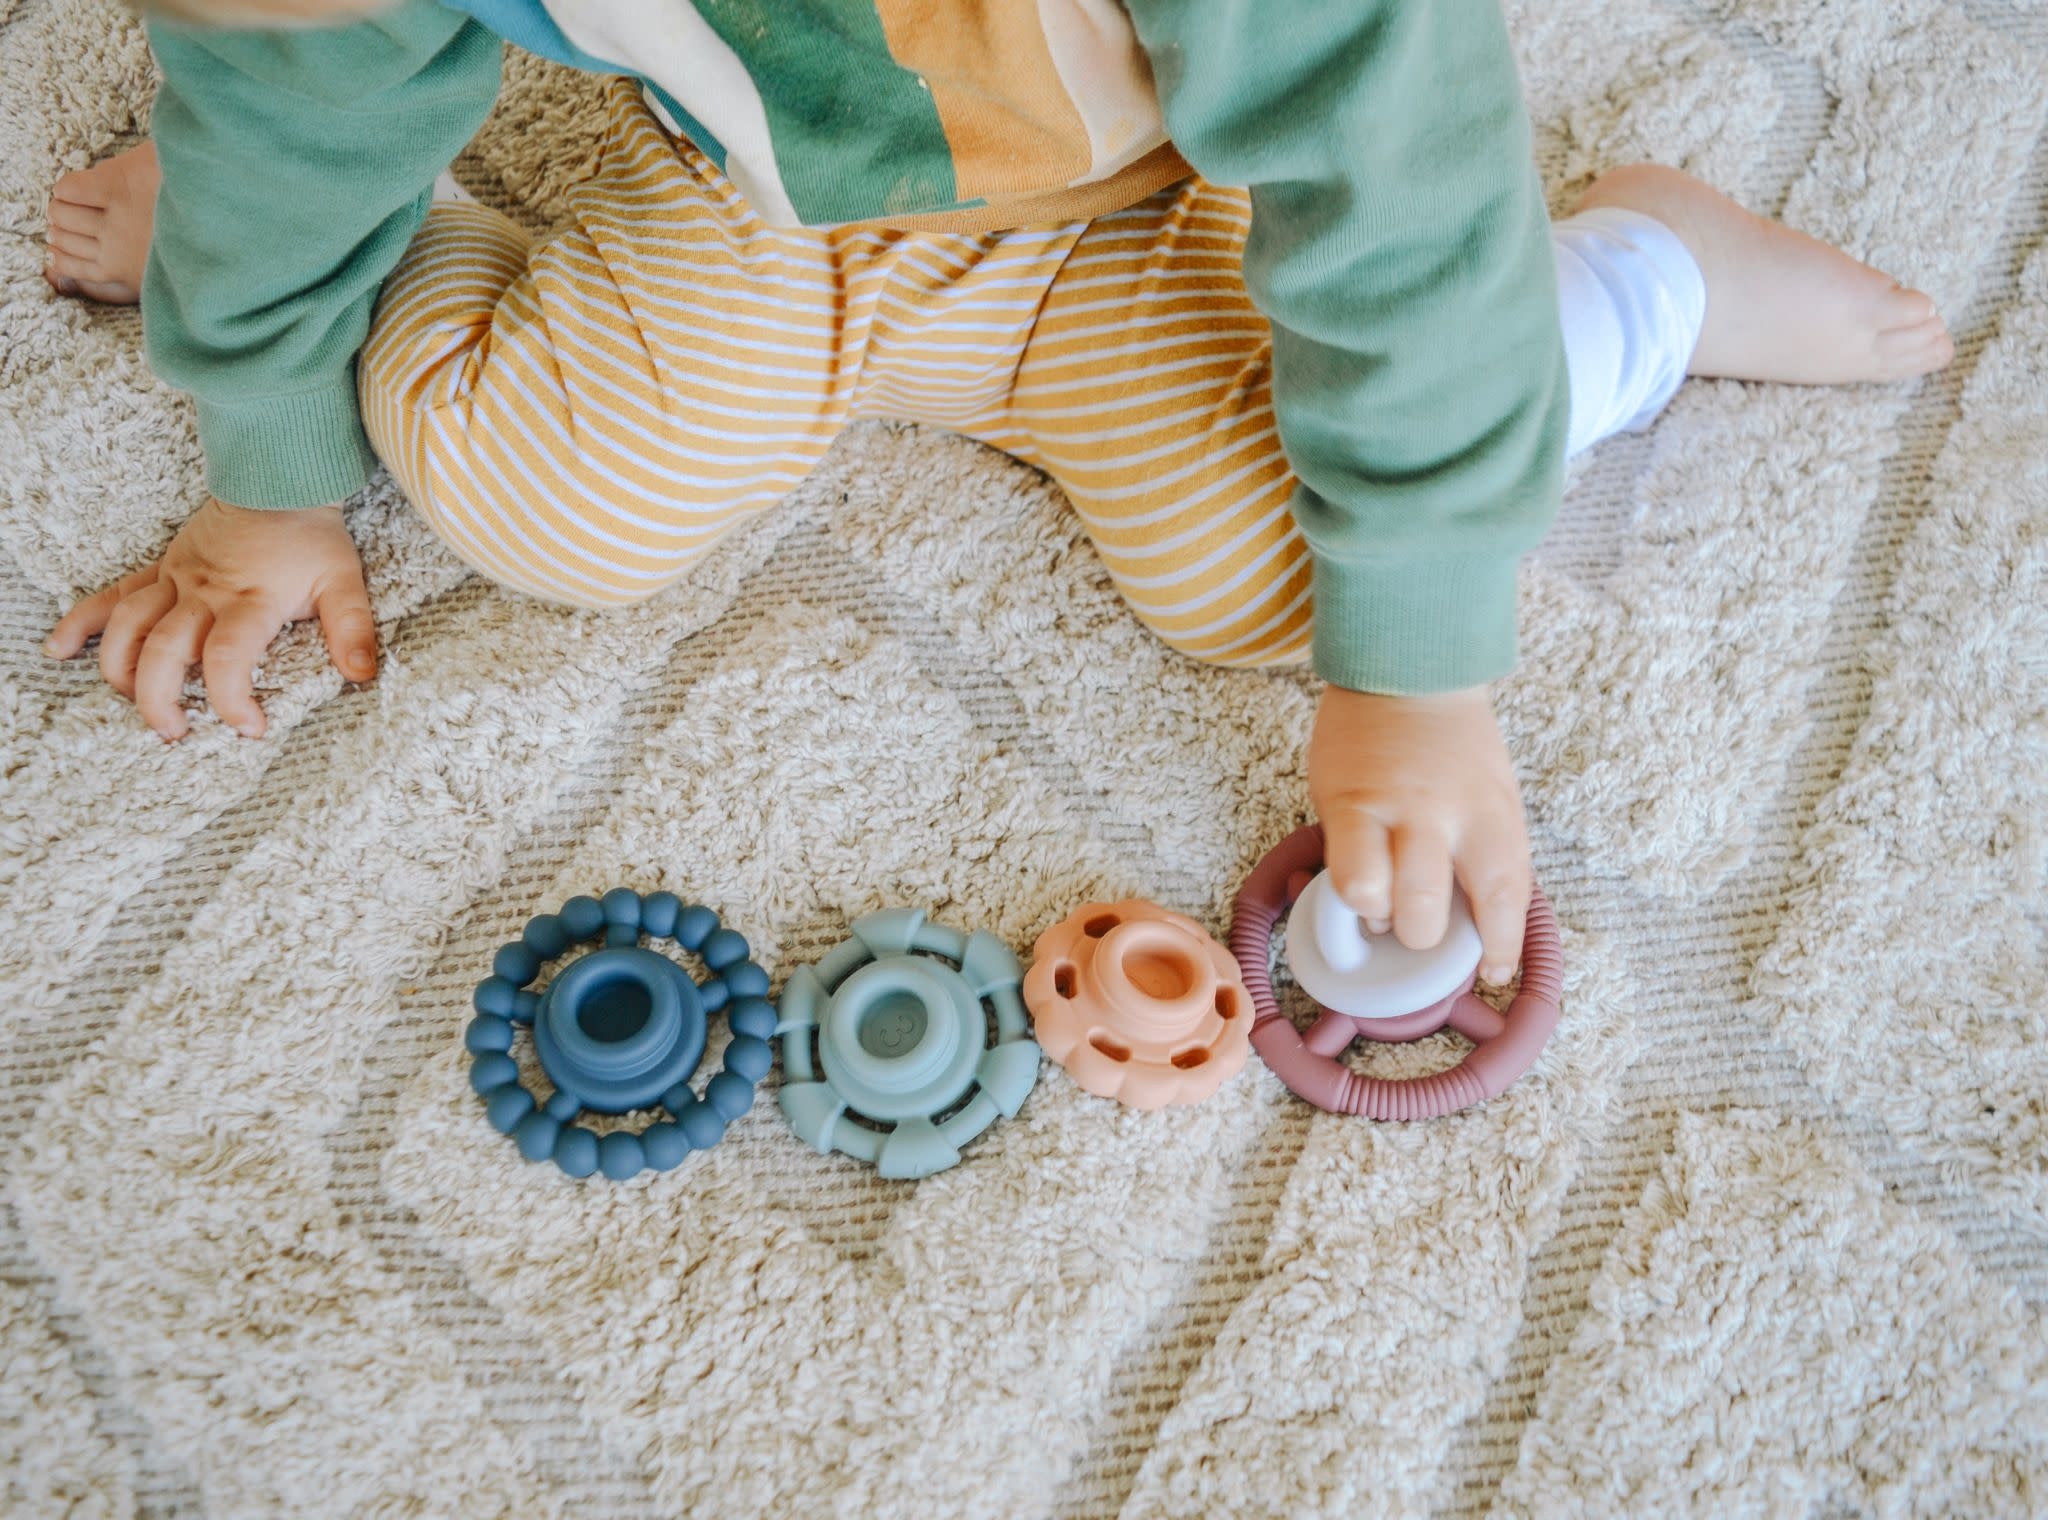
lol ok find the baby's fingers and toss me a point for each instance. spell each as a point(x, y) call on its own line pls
point(1361, 869)
point(343, 608)
point(1422, 886)
point(89, 616)
point(127, 628)
point(1495, 871)
point(171, 650)
point(240, 636)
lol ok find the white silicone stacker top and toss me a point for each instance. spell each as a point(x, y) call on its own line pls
point(1350, 970)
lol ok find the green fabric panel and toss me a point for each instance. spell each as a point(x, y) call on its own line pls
point(856, 135)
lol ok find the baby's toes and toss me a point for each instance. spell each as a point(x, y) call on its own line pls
point(73, 262)
point(74, 245)
point(77, 251)
point(82, 187)
point(81, 274)
point(61, 273)
point(87, 221)
point(1899, 307)
point(1917, 349)
point(105, 291)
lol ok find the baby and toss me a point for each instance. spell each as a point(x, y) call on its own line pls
point(1270, 291)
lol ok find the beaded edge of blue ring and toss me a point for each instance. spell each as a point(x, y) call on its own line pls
point(548, 1131)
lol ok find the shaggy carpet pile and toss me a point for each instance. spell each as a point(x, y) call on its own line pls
point(1766, 1232)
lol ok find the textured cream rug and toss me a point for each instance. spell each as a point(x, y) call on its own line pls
point(1766, 1233)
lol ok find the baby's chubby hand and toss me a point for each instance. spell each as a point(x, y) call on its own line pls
point(229, 581)
point(1411, 792)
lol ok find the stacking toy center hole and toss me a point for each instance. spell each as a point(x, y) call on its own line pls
point(615, 1010)
point(893, 1024)
point(1161, 974)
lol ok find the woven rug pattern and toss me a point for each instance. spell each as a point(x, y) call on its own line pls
point(1766, 1232)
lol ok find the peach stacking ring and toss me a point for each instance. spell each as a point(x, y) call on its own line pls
point(1504, 1045)
point(1138, 1004)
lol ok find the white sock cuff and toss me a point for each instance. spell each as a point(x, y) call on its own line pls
point(1633, 302)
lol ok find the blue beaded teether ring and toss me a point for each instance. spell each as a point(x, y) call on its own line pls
point(905, 1043)
point(622, 1028)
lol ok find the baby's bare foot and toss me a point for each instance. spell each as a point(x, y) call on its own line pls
point(99, 227)
point(1781, 305)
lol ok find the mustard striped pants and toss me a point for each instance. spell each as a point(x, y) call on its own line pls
point(583, 419)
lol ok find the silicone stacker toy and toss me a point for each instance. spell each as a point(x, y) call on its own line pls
point(905, 1043)
point(620, 1029)
point(1371, 986)
point(1138, 1004)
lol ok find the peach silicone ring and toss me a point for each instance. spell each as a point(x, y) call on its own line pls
point(1504, 1045)
point(1138, 1004)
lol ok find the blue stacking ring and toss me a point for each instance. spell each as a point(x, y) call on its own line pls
point(905, 1043)
point(622, 1028)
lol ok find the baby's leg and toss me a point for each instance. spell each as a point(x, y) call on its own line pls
point(1146, 392)
point(585, 419)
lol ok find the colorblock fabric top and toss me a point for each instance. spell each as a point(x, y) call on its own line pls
point(1399, 245)
point(831, 111)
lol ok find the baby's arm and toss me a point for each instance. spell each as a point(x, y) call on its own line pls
point(1400, 248)
point(296, 166)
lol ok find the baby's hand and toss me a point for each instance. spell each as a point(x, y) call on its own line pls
point(225, 586)
point(1411, 790)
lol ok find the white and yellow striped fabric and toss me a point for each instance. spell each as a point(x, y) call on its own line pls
point(584, 419)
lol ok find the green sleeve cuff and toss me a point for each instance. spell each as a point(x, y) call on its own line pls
point(302, 450)
point(1415, 624)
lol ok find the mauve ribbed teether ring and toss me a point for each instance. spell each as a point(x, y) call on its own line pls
point(1504, 1045)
